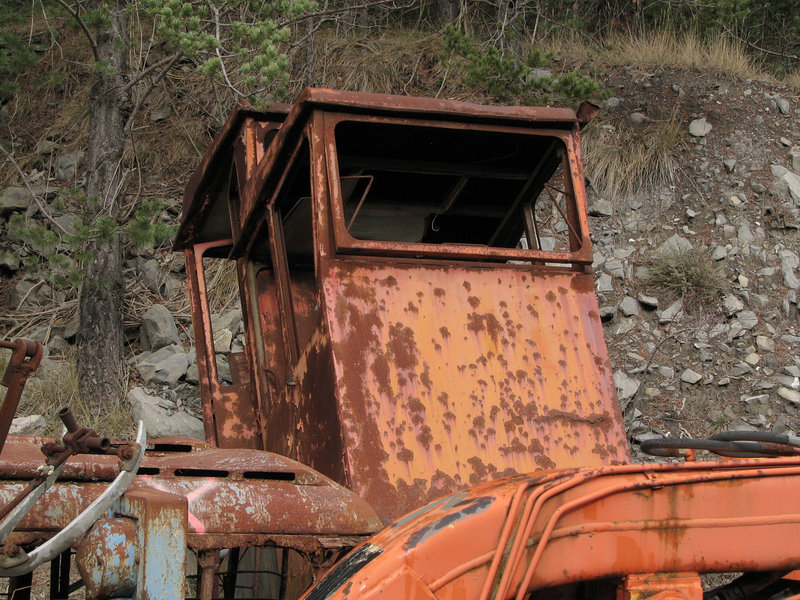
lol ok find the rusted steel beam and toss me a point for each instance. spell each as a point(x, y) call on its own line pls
point(25, 359)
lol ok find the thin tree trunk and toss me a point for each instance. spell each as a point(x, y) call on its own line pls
point(100, 305)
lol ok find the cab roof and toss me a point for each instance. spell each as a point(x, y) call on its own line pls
point(199, 203)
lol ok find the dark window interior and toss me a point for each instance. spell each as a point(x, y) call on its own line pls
point(414, 184)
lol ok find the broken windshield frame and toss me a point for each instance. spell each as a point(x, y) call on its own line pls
point(408, 187)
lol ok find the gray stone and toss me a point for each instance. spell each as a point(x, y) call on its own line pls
point(765, 344)
point(793, 183)
point(626, 385)
point(158, 328)
point(160, 114)
point(740, 425)
point(675, 243)
point(690, 376)
point(752, 359)
point(794, 153)
point(601, 208)
point(732, 304)
point(159, 420)
point(647, 302)
point(150, 274)
point(744, 234)
point(629, 307)
point(741, 368)
point(700, 128)
point(748, 319)
point(164, 366)
point(57, 344)
point(778, 170)
point(192, 375)
point(67, 165)
point(666, 372)
point(719, 253)
point(604, 283)
point(615, 268)
point(783, 105)
point(789, 259)
point(46, 147)
point(15, 199)
point(790, 280)
point(792, 370)
point(23, 295)
point(30, 425)
point(638, 118)
point(792, 396)
point(672, 313)
point(224, 369)
point(786, 142)
point(730, 164)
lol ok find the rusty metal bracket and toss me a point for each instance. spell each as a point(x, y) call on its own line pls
point(26, 357)
point(71, 533)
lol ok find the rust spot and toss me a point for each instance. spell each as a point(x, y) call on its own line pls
point(389, 281)
point(380, 369)
point(405, 455)
point(474, 301)
point(544, 462)
point(438, 292)
point(425, 437)
point(445, 332)
point(402, 346)
point(479, 422)
point(486, 322)
point(411, 308)
point(550, 296)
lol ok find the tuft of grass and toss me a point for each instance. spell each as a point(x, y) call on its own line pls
point(623, 158)
point(688, 274)
point(55, 385)
point(793, 80)
point(661, 49)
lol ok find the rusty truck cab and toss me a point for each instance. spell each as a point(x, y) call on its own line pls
point(416, 288)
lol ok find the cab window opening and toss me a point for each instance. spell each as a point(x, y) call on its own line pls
point(437, 185)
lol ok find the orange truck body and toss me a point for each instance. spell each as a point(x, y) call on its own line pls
point(424, 377)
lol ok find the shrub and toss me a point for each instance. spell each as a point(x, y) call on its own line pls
point(688, 274)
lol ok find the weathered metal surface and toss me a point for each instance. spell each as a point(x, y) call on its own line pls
point(107, 558)
point(452, 375)
point(195, 224)
point(161, 520)
point(661, 586)
point(230, 416)
point(262, 494)
point(505, 539)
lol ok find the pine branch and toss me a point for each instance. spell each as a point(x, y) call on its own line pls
point(77, 16)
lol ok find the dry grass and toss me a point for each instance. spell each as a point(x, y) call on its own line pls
point(793, 81)
point(54, 386)
point(398, 61)
point(688, 274)
point(623, 158)
point(660, 49)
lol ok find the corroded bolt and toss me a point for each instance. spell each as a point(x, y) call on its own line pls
point(126, 452)
point(10, 550)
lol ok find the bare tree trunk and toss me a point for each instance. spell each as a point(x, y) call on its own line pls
point(447, 11)
point(100, 304)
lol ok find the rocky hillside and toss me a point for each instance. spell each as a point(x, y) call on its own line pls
point(722, 217)
point(728, 222)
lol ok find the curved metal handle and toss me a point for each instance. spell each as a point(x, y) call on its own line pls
point(25, 563)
